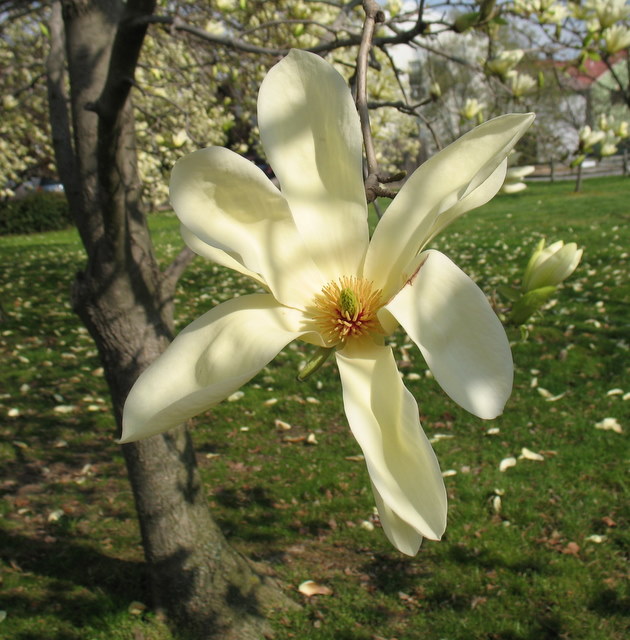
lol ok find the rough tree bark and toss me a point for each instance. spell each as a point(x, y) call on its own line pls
point(126, 303)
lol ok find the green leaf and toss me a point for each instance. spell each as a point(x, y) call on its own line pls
point(509, 293)
point(531, 302)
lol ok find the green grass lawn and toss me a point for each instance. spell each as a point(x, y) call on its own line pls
point(532, 553)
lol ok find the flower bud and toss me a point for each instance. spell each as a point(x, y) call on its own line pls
point(549, 266)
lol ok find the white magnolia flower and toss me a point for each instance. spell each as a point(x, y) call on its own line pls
point(589, 138)
point(515, 179)
point(504, 62)
point(554, 13)
point(472, 108)
point(608, 12)
point(604, 123)
point(547, 11)
point(549, 266)
point(609, 145)
point(520, 83)
point(330, 285)
point(616, 38)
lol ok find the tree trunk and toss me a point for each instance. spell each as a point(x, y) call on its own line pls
point(126, 303)
point(578, 179)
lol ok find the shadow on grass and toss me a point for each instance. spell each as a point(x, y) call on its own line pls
point(489, 560)
point(391, 575)
point(84, 585)
point(609, 603)
point(253, 517)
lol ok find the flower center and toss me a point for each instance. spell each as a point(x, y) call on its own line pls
point(347, 309)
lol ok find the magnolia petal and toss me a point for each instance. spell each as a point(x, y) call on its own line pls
point(476, 198)
point(402, 535)
point(207, 361)
point(229, 203)
point(383, 417)
point(310, 131)
point(450, 176)
point(218, 256)
point(462, 340)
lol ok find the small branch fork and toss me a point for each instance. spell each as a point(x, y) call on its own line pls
point(373, 189)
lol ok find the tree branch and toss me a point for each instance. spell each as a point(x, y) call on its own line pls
point(236, 44)
point(373, 189)
point(58, 103)
point(373, 14)
point(117, 176)
point(175, 270)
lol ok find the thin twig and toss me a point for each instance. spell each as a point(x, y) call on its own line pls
point(373, 180)
point(235, 44)
point(373, 14)
point(176, 268)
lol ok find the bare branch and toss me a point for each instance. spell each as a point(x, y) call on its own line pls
point(403, 107)
point(373, 14)
point(58, 102)
point(236, 44)
point(278, 23)
point(175, 270)
point(373, 188)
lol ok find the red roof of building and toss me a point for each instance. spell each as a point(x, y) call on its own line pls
point(584, 76)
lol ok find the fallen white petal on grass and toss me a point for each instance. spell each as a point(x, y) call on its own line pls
point(496, 504)
point(413, 376)
point(448, 473)
point(282, 425)
point(544, 392)
point(312, 400)
point(493, 431)
point(55, 516)
point(527, 454)
point(137, 608)
point(237, 395)
point(440, 436)
point(596, 538)
point(357, 458)
point(64, 408)
point(506, 463)
point(609, 424)
point(310, 588)
point(13, 413)
point(270, 402)
point(311, 439)
point(615, 392)
point(367, 525)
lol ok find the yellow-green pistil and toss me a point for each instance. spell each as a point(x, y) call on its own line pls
point(346, 309)
point(348, 303)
